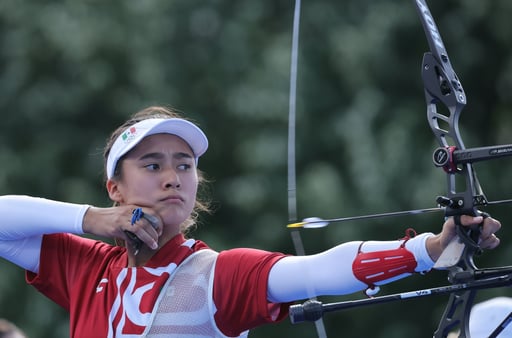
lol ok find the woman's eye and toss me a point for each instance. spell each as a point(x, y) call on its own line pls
point(153, 166)
point(184, 166)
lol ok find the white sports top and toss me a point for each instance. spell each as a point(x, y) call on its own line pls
point(194, 280)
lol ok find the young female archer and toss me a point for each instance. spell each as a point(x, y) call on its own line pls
point(163, 284)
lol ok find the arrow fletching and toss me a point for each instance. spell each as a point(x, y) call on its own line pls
point(310, 222)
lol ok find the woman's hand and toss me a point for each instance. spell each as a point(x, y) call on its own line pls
point(115, 221)
point(487, 240)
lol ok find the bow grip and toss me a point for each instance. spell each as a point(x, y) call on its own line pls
point(470, 235)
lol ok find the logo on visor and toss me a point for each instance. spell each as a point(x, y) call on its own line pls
point(129, 135)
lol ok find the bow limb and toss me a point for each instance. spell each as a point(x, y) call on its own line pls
point(292, 177)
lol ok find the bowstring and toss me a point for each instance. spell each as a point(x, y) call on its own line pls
point(292, 175)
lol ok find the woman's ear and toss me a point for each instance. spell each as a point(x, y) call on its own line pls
point(113, 190)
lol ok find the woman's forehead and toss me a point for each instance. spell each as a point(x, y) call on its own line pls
point(161, 143)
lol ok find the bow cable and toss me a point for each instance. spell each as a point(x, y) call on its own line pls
point(292, 176)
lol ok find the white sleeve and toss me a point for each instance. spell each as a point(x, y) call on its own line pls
point(24, 220)
point(330, 272)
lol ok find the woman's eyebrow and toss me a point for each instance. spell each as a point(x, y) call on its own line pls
point(159, 156)
point(181, 155)
point(154, 155)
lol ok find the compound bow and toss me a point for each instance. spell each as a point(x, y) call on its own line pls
point(441, 86)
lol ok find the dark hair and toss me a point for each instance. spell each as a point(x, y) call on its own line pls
point(157, 112)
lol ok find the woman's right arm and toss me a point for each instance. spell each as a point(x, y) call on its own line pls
point(24, 220)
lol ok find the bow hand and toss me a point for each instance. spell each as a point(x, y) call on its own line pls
point(446, 248)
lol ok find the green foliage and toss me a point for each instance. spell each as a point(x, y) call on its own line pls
point(70, 72)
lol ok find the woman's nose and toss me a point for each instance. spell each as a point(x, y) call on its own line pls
point(172, 179)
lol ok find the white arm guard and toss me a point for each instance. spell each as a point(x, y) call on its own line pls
point(24, 220)
point(330, 272)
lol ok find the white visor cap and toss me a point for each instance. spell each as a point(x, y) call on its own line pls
point(132, 136)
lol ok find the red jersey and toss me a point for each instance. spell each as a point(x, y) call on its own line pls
point(91, 280)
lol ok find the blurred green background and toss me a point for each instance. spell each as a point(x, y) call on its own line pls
point(71, 72)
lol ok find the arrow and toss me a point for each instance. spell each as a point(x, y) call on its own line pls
point(317, 222)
